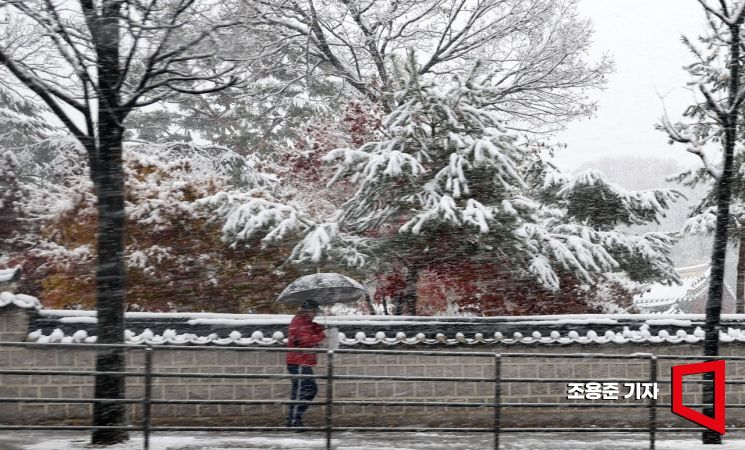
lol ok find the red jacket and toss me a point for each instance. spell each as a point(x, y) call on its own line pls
point(303, 333)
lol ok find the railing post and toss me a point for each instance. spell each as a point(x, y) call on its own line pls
point(329, 396)
point(497, 398)
point(146, 400)
point(652, 402)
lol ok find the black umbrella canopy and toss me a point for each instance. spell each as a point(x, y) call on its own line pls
point(325, 288)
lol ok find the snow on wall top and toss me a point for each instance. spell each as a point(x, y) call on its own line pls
point(170, 337)
point(270, 330)
point(19, 300)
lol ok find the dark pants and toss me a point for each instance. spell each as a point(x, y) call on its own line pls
point(302, 389)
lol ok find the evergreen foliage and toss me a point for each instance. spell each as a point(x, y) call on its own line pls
point(446, 181)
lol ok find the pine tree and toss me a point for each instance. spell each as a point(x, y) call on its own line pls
point(21, 121)
point(588, 198)
point(11, 196)
point(448, 182)
point(21, 127)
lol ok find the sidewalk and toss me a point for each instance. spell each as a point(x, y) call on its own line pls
point(55, 440)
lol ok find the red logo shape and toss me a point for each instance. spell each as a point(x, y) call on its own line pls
point(717, 423)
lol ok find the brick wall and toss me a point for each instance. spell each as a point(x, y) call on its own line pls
point(262, 361)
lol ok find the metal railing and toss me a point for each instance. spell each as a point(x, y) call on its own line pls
point(149, 374)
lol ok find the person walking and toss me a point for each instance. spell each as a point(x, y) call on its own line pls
point(303, 333)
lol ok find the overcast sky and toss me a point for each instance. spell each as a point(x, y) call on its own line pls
point(643, 37)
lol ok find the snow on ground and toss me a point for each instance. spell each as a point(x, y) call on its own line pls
point(368, 441)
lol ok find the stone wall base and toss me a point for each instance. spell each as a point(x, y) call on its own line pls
point(222, 361)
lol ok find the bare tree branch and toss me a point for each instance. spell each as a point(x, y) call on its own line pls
point(361, 41)
point(45, 92)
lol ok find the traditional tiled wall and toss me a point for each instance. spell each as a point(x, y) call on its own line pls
point(441, 364)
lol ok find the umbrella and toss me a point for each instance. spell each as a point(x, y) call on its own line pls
point(324, 288)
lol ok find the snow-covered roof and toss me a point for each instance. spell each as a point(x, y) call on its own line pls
point(19, 300)
point(662, 297)
point(7, 275)
point(659, 295)
point(51, 326)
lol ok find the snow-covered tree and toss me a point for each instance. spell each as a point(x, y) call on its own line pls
point(293, 77)
point(447, 168)
point(711, 129)
point(702, 217)
point(23, 131)
point(21, 122)
point(445, 183)
point(588, 198)
point(173, 251)
point(11, 196)
point(260, 116)
point(537, 47)
point(704, 133)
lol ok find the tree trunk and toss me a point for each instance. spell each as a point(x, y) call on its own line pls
point(110, 288)
point(398, 304)
point(740, 288)
point(370, 307)
point(107, 173)
point(719, 252)
point(409, 296)
point(714, 305)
